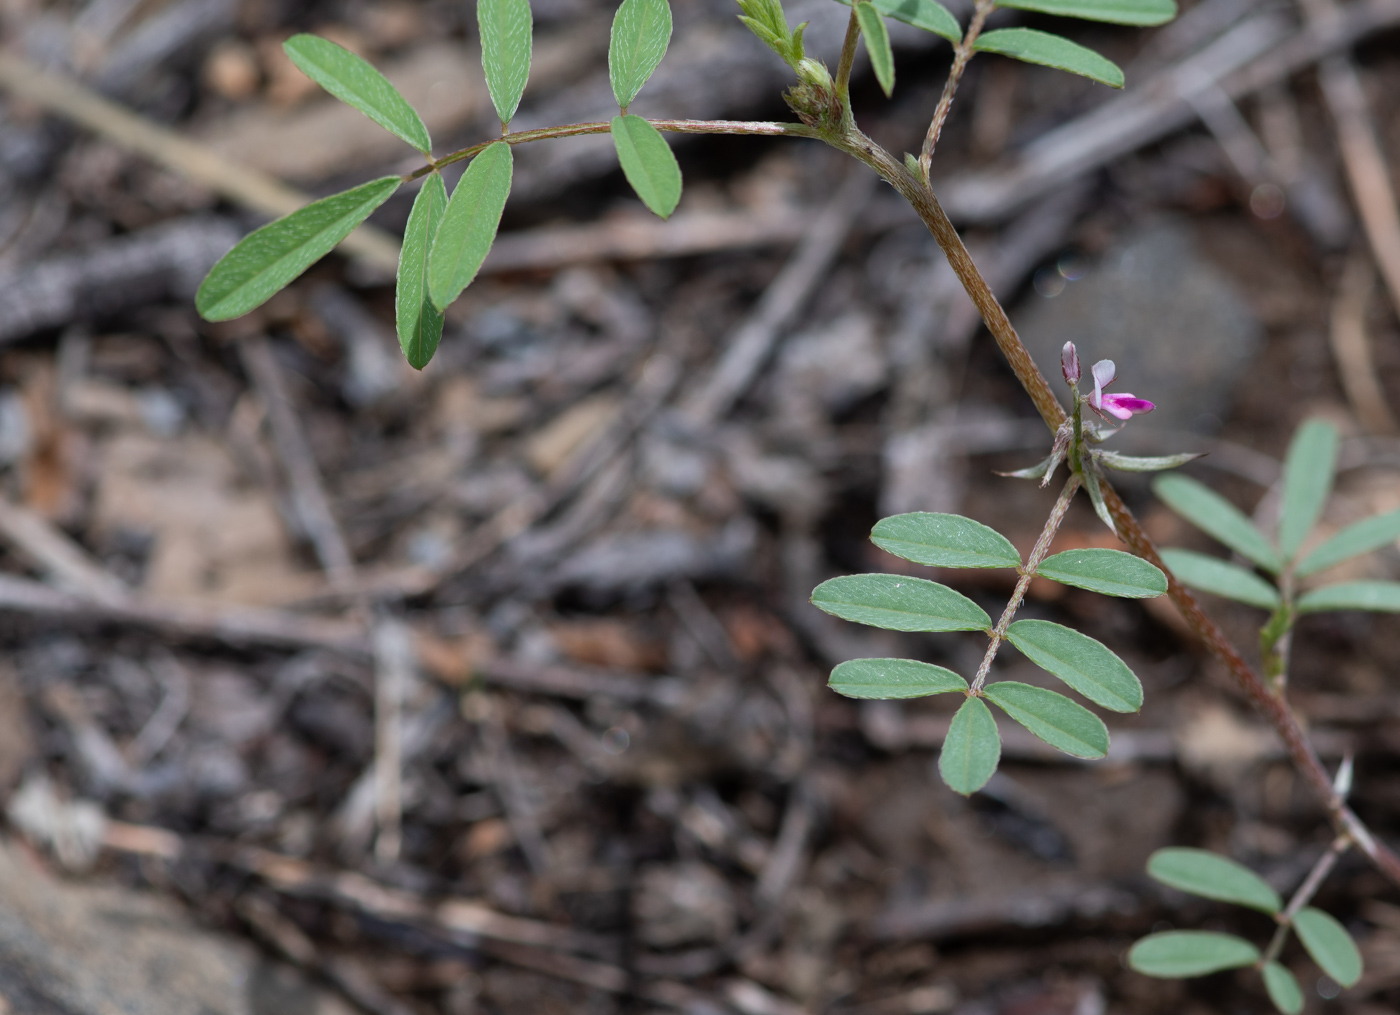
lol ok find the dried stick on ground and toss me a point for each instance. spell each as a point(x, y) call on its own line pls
point(248, 187)
point(1361, 151)
point(1250, 56)
point(1351, 347)
point(63, 561)
point(233, 625)
point(303, 475)
point(751, 345)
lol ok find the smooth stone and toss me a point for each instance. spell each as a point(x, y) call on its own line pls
point(1180, 334)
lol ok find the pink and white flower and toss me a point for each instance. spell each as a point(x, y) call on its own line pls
point(1123, 406)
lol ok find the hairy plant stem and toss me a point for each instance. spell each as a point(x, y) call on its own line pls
point(962, 53)
point(759, 127)
point(916, 190)
point(1038, 552)
point(1304, 895)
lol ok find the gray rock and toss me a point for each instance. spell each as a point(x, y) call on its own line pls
point(1179, 333)
point(72, 948)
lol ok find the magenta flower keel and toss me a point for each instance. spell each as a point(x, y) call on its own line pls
point(1123, 406)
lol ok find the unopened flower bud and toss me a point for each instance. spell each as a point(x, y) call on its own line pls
point(814, 73)
point(1069, 363)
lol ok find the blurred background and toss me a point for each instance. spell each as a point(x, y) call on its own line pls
point(331, 686)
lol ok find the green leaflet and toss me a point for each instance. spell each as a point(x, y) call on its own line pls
point(1307, 479)
point(899, 604)
point(765, 18)
point(893, 678)
point(1354, 540)
point(1379, 597)
point(1178, 953)
point(469, 225)
point(266, 260)
point(1031, 46)
point(419, 322)
point(1221, 578)
point(1086, 665)
point(648, 163)
point(877, 44)
point(1283, 989)
point(1329, 944)
point(1117, 12)
point(1212, 876)
point(944, 540)
point(971, 749)
point(1095, 491)
point(1131, 463)
point(1216, 516)
point(928, 15)
point(506, 28)
point(1051, 461)
point(1052, 717)
point(641, 31)
point(353, 81)
point(1110, 572)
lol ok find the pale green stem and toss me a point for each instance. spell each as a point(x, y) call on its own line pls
point(1304, 895)
point(1038, 552)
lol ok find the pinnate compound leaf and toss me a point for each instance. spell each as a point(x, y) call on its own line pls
point(1378, 597)
point(893, 678)
point(419, 322)
point(1110, 572)
point(899, 604)
point(352, 80)
point(1307, 480)
point(1216, 516)
point(641, 31)
point(1283, 989)
point(944, 540)
point(1174, 954)
point(469, 224)
point(877, 44)
point(507, 28)
point(1086, 665)
point(1354, 540)
point(1329, 944)
point(647, 163)
point(1052, 717)
point(1155, 463)
point(1031, 46)
point(1212, 876)
point(266, 260)
point(1117, 12)
point(1221, 578)
point(971, 749)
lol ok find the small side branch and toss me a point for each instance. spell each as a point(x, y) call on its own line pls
point(1042, 547)
point(962, 53)
point(1304, 894)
